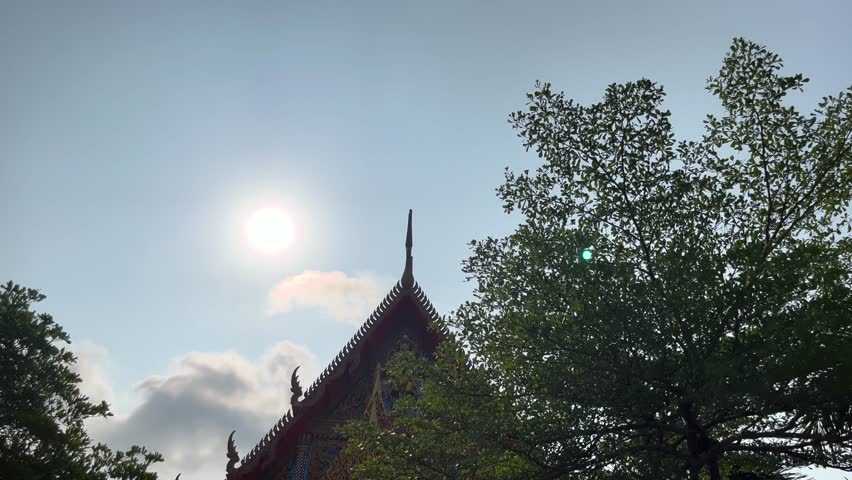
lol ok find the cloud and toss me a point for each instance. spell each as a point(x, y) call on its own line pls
point(345, 298)
point(91, 366)
point(188, 413)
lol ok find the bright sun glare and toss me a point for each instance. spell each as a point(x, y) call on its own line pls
point(269, 230)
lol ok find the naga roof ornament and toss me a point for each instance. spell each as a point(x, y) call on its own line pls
point(233, 456)
point(295, 388)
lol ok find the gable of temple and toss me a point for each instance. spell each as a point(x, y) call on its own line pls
point(304, 443)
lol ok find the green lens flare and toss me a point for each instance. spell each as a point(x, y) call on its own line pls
point(586, 255)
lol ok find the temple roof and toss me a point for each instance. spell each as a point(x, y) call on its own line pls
point(294, 421)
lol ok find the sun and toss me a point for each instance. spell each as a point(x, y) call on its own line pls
point(269, 230)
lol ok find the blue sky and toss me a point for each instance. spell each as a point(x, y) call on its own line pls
point(135, 139)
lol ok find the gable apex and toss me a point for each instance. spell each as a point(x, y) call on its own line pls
point(405, 308)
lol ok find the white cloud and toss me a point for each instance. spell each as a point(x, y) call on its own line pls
point(188, 413)
point(91, 366)
point(343, 297)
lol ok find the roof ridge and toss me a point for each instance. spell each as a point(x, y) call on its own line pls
point(283, 424)
point(406, 284)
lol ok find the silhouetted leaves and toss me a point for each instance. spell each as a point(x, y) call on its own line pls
point(708, 337)
point(41, 408)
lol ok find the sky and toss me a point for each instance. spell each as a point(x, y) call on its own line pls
point(136, 138)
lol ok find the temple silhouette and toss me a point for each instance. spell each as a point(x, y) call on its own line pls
point(304, 443)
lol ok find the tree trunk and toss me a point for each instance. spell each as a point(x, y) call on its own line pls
point(713, 467)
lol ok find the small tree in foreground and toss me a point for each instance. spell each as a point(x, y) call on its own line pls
point(707, 333)
point(41, 408)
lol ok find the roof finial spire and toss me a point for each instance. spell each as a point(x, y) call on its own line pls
point(408, 273)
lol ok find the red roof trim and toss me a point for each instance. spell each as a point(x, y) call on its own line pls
point(284, 434)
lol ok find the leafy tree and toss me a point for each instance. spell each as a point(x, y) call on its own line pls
point(707, 331)
point(42, 436)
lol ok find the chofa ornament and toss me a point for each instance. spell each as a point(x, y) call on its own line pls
point(233, 456)
point(295, 388)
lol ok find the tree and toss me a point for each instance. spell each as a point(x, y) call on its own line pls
point(42, 436)
point(708, 336)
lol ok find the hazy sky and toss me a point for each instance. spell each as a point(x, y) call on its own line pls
point(135, 140)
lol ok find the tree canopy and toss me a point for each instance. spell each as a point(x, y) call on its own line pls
point(42, 436)
point(666, 309)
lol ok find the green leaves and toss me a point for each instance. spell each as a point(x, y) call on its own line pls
point(708, 337)
point(41, 407)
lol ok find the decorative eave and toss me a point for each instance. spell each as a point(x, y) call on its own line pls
point(346, 360)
